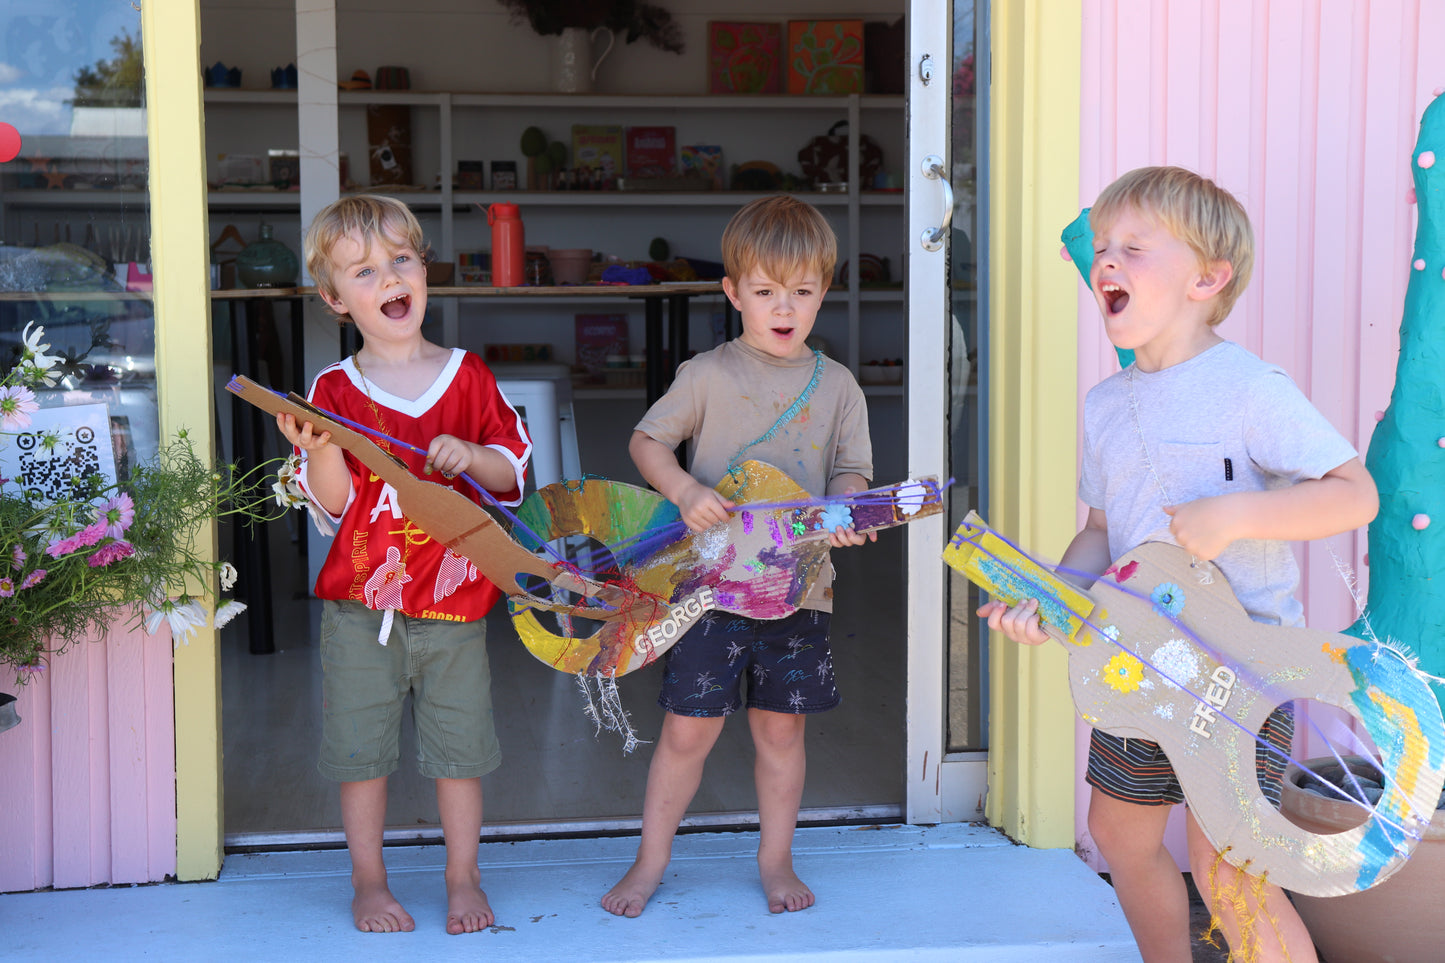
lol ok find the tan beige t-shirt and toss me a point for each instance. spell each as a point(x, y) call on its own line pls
point(734, 395)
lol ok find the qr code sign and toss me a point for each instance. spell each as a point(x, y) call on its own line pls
point(61, 446)
point(51, 463)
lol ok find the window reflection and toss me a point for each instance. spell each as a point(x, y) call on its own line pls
point(74, 220)
point(967, 644)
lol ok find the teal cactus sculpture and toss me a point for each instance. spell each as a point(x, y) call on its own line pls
point(1406, 601)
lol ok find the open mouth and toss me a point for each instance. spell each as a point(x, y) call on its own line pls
point(782, 332)
point(397, 307)
point(1115, 297)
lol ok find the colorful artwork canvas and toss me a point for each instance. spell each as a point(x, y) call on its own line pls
point(744, 58)
point(825, 56)
point(598, 147)
point(651, 151)
point(703, 160)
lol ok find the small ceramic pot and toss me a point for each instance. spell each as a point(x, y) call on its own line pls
point(1398, 921)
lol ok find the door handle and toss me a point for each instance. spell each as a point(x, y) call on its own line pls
point(933, 170)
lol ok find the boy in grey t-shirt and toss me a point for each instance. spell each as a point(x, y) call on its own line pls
point(1202, 444)
point(766, 397)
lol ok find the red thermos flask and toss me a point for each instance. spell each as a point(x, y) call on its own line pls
point(508, 247)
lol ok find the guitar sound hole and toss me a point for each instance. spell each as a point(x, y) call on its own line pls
point(1327, 799)
point(593, 561)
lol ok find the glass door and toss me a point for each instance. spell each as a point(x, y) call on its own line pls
point(947, 310)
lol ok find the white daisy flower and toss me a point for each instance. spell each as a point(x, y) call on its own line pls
point(227, 611)
point(184, 618)
point(228, 576)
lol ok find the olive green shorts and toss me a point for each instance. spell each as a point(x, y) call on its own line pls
point(364, 685)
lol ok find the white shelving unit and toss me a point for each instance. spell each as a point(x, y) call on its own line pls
point(447, 126)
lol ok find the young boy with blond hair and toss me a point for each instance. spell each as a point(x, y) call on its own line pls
point(402, 613)
point(765, 396)
point(1199, 443)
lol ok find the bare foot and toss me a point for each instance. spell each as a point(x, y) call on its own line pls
point(375, 910)
point(632, 891)
point(467, 908)
point(785, 891)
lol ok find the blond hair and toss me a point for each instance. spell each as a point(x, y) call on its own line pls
point(372, 217)
point(1194, 209)
point(783, 237)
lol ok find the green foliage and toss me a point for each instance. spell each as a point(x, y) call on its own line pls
point(67, 563)
point(55, 601)
point(534, 142)
point(117, 82)
point(644, 21)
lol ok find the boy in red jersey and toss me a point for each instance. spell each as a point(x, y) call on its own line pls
point(402, 613)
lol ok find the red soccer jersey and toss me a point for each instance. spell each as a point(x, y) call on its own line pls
point(379, 557)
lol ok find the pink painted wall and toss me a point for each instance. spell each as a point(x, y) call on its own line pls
point(88, 777)
point(1307, 111)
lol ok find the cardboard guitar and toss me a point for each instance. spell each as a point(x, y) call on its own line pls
point(457, 522)
point(1136, 669)
point(760, 563)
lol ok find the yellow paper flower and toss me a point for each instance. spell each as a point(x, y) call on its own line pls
point(1124, 672)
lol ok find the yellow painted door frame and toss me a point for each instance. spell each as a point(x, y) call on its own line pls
point(180, 245)
point(1033, 370)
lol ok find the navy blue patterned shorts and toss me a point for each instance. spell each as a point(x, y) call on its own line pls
point(788, 664)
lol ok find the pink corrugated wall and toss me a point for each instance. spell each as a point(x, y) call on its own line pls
point(1307, 111)
point(88, 778)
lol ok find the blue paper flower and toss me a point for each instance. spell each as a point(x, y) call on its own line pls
point(835, 516)
point(1168, 599)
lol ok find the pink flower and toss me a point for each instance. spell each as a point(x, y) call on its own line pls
point(110, 552)
point(17, 404)
point(90, 534)
point(61, 546)
point(18, 557)
point(86, 537)
point(33, 579)
point(7, 587)
point(117, 514)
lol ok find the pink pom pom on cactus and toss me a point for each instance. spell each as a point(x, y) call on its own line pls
point(1410, 196)
point(1426, 160)
point(1379, 416)
point(1419, 264)
point(1420, 522)
point(1440, 442)
point(1064, 253)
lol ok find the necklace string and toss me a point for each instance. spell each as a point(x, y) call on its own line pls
point(734, 468)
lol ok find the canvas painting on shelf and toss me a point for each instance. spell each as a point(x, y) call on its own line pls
point(743, 58)
point(703, 160)
point(651, 151)
point(598, 147)
point(599, 337)
point(825, 57)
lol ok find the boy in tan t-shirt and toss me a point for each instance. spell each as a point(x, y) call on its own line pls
point(767, 397)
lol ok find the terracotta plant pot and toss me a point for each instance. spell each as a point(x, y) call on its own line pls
point(1398, 921)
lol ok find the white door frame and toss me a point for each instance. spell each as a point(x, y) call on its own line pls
point(941, 787)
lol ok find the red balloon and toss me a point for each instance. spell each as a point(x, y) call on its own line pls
point(9, 143)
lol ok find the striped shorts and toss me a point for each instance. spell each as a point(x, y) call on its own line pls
point(1137, 771)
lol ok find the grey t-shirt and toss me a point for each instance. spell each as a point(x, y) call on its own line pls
point(1223, 421)
point(728, 397)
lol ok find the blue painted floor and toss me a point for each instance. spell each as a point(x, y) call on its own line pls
point(954, 892)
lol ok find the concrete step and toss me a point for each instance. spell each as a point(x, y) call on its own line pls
point(954, 892)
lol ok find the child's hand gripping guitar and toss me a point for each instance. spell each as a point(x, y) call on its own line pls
point(1139, 666)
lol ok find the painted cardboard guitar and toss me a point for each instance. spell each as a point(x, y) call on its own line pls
point(762, 562)
point(1138, 669)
